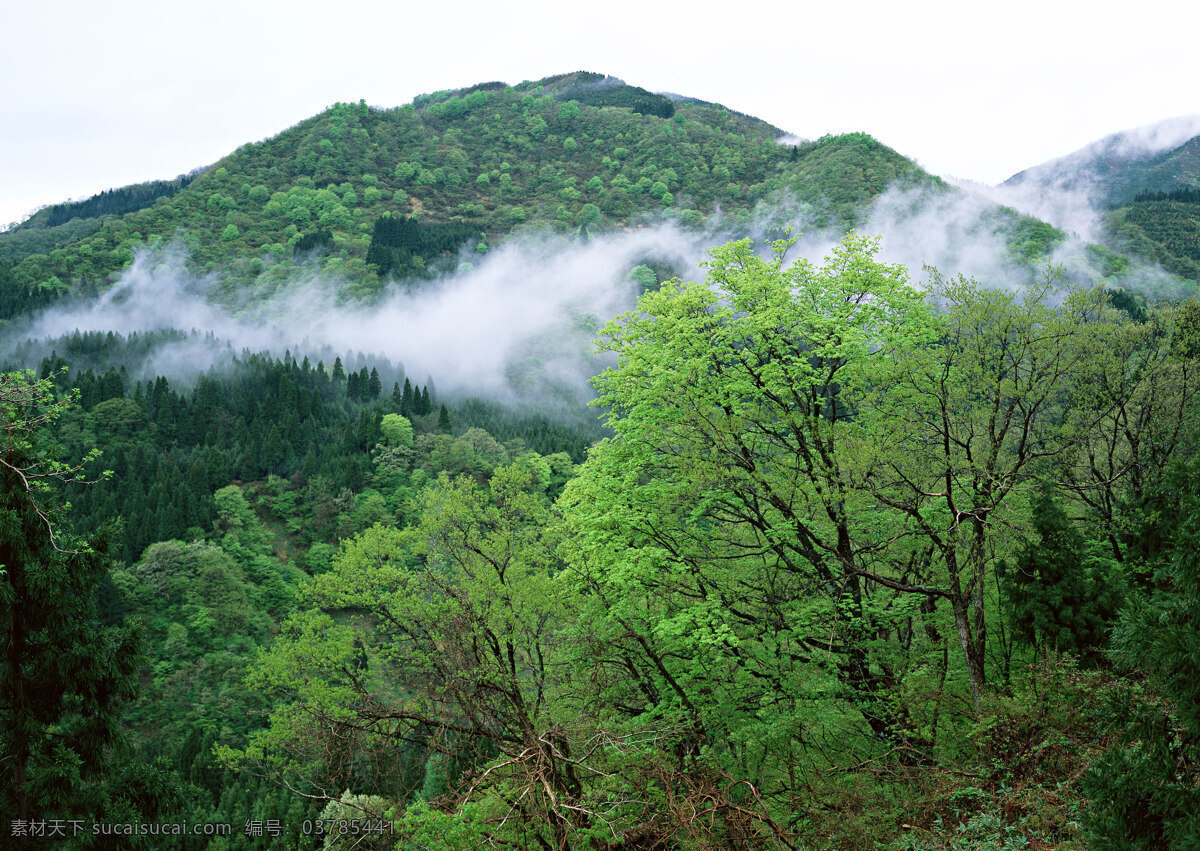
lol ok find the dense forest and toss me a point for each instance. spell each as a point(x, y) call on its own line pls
point(577, 153)
point(850, 564)
point(836, 557)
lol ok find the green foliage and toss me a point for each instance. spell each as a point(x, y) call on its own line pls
point(1062, 599)
point(712, 533)
point(64, 678)
point(1161, 227)
point(397, 430)
point(1144, 792)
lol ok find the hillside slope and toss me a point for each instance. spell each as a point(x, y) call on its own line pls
point(1160, 157)
point(574, 152)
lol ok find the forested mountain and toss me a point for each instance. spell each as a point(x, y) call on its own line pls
point(1142, 184)
point(836, 559)
point(578, 152)
point(1160, 157)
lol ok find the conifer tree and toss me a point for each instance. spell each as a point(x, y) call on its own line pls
point(1057, 601)
point(1145, 792)
point(406, 400)
point(63, 677)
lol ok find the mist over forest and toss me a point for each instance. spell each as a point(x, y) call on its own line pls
point(570, 465)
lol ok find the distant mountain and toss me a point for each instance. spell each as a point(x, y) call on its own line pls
point(366, 195)
point(1138, 187)
point(1160, 157)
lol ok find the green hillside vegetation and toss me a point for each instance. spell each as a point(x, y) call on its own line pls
point(1149, 202)
point(1176, 169)
point(845, 569)
point(1161, 226)
point(574, 153)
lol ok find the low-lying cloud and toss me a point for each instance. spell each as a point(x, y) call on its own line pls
point(519, 321)
point(530, 305)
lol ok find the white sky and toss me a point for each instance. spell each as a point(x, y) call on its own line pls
point(102, 94)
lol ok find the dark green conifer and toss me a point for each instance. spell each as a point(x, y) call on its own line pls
point(406, 400)
point(63, 676)
point(1057, 602)
point(1145, 791)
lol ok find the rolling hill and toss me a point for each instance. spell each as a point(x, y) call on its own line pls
point(577, 152)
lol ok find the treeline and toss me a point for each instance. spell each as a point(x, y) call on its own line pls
point(19, 299)
point(1163, 227)
point(598, 90)
point(170, 446)
point(111, 202)
point(1182, 196)
point(403, 245)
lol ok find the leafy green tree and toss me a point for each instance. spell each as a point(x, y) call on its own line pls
point(719, 530)
point(397, 430)
point(63, 677)
point(1147, 394)
point(962, 424)
point(462, 610)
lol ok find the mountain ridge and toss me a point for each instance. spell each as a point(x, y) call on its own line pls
point(578, 152)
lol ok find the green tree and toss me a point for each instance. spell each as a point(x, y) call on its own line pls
point(63, 677)
point(397, 430)
point(1061, 599)
point(719, 530)
point(1145, 791)
point(462, 611)
point(961, 425)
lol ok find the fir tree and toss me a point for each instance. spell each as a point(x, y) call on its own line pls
point(406, 400)
point(1058, 602)
point(63, 676)
point(1145, 792)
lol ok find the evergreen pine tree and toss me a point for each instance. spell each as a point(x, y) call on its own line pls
point(63, 676)
point(374, 385)
point(406, 400)
point(1057, 603)
point(1145, 791)
point(444, 420)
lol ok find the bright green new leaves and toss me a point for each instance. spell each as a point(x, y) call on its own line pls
point(433, 640)
point(965, 424)
point(718, 534)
